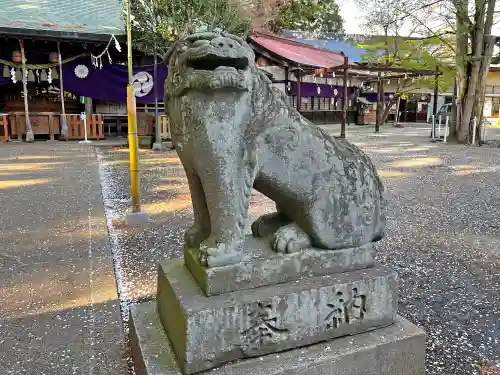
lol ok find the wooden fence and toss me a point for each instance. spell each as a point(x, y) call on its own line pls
point(76, 128)
point(165, 133)
point(4, 128)
point(42, 123)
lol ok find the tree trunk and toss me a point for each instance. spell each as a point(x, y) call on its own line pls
point(489, 43)
point(387, 110)
point(29, 132)
point(461, 130)
point(396, 120)
point(475, 67)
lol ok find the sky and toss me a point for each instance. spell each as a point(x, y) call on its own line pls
point(353, 17)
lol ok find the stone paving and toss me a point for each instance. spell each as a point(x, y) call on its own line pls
point(59, 313)
point(442, 236)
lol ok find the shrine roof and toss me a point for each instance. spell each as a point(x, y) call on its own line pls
point(90, 20)
point(294, 53)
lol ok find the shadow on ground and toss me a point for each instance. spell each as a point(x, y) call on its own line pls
point(443, 236)
point(59, 311)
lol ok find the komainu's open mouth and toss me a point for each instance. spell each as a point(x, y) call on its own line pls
point(212, 62)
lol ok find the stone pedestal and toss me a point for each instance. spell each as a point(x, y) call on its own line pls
point(206, 332)
point(398, 349)
point(262, 266)
point(271, 305)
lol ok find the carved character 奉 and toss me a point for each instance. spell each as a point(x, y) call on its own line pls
point(234, 131)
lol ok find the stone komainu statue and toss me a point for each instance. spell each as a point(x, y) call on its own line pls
point(234, 131)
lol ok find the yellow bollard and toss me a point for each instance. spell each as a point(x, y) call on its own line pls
point(135, 216)
point(133, 150)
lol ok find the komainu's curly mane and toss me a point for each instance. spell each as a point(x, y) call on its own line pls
point(234, 131)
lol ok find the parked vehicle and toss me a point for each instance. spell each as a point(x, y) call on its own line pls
point(444, 111)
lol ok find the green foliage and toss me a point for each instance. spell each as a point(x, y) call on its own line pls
point(311, 16)
point(163, 21)
point(412, 54)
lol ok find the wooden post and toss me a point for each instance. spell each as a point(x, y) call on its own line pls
point(76, 126)
point(287, 82)
point(436, 92)
point(89, 110)
point(379, 103)
point(18, 127)
point(68, 121)
point(100, 127)
point(29, 132)
point(51, 126)
point(93, 130)
point(155, 87)
point(88, 125)
point(5, 127)
point(299, 80)
point(344, 99)
point(64, 124)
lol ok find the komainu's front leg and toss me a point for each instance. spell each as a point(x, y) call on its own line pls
point(269, 223)
point(200, 230)
point(228, 190)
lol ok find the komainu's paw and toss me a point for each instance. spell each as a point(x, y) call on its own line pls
point(215, 254)
point(290, 239)
point(269, 223)
point(193, 236)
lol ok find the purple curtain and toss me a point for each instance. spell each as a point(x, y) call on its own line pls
point(327, 91)
point(4, 81)
point(372, 97)
point(110, 82)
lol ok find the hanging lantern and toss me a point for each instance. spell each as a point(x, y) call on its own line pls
point(19, 75)
point(6, 71)
point(318, 90)
point(335, 92)
point(43, 76)
point(31, 76)
point(54, 74)
point(17, 57)
point(54, 57)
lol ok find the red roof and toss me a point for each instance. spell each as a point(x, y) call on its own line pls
point(299, 53)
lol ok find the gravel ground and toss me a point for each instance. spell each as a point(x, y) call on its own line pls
point(442, 236)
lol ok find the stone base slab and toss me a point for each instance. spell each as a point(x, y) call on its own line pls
point(261, 266)
point(206, 332)
point(398, 349)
